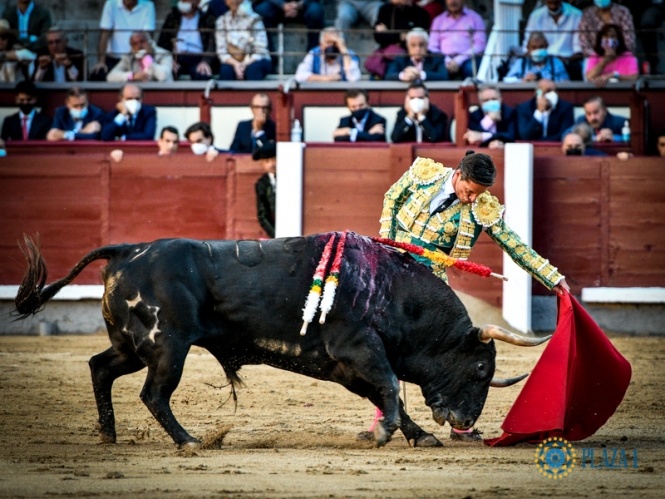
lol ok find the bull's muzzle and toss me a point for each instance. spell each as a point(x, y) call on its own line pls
point(460, 422)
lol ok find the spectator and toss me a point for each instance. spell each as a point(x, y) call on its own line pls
point(419, 120)
point(145, 61)
point(132, 120)
point(494, 123)
point(168, 141)
point(648, 16)
point(602, 13)
point(27, 123)
point(661, 145)
point(419, 64)
point(266, 154)
point(611, 61)
point(544, 117)
point(119, 19)
point(459, 34)
point(585, 131)
point(559, 21)
point(15, 61)
point(433, 8)
point(395, 19)
point(260, 128)
point(536, 63)
point(352, 12)
point(573, 144)
point(364, 125)
point(330, 61)
point(242, 43)
point(77, 119)
point(189, 34)
point(202, 140)
point(606, 126)
point(31, 22)
point(58, 62)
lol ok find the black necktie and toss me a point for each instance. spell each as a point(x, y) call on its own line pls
point(445, 203)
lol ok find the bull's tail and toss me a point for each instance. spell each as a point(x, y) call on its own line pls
point(32, 295)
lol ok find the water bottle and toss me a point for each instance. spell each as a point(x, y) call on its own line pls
point(625, 131)
point(296, 132)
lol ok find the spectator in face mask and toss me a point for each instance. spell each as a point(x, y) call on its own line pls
point(612, 61)
point(131, 120)
point(545, 116)
point(77, 119)
point(330, 61)
point(145, 62)
point(364, 125)
point(494, 123)
point(27, 123)
point(201, 140)
point(536, 63)
point(419, 120)
point(598, 15)
point(573, 145)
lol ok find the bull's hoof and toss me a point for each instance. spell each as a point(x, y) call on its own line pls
point(105, 438)
point(366, 436)
point(190, 446)
point(426, 440)
point(381, 436)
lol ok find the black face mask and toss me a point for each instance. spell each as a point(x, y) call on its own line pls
point(574, 152)
point(331, 53)
point(359, 114)
point(26, 108)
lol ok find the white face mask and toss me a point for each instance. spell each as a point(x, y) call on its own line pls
point(199, 148)
point(552, 97)
point(133, 106)
point(184, 7)
point(417, 104)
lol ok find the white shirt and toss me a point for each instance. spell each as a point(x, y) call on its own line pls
point(446, 190)
point(562, 36)
point(122, 22)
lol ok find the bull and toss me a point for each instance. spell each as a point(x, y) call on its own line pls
point(392, 320)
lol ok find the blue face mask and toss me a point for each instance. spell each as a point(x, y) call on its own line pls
point(602, 4)
point(538, 55)
point(491, 106)
point(78, 114)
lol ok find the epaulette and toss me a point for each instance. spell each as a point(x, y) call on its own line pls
point(425, 171)
point(487, 210)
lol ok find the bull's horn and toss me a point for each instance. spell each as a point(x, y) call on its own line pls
point(491, 331)
point(504, 382)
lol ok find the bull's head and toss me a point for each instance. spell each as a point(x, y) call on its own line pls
point(465, 374)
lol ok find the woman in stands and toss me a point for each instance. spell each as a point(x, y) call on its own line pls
point(612, 60)
point(15, 61)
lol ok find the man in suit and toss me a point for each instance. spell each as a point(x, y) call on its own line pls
point(131, 120)
point(201, 140)
point(606, 126)
point(545, 116)
point(419, 120)
point(77, 119)
point(58, 61)
point(260, 128)
point(419, 64)
point(494, 123)
point(266, 155)
point(30, 31)
point(363, 125)
point(27, 123)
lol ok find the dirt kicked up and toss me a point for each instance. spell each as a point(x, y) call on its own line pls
point(293, 436)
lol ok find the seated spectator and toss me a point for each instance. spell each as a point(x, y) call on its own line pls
point(494, 123)
point(363, 125)
point(419, 120)
point(648, 16)
point(242, 43)
point(77, 119)
point(189, 34)
point(31, 22)
point(545, 117)
point(261, 128)
point(433, 8)
point(15, 60)
point(58, 61)
point(661, 145)
point(131, 120)
point(27, 123)
point(395, 19)
point(419, 64)
point(559, 21)
point(585, 131)
point(573, 145)
point(536, 63)
point(330, 61)
point(202, 140)
point(169, 139)
point(612, 61)
point(606, 126)
point(350, 13)
point(598, 15)
point(145, 61)
point(266, 154)
point(459, 34)
point(119, 19)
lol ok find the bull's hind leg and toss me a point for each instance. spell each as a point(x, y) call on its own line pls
point(105, 368)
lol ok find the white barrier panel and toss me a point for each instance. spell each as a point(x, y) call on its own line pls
point(518, 198)
point(288, 198)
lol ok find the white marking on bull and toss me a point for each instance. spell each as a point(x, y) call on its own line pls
point(152, 309)
point(277, 346)
point(139, 254)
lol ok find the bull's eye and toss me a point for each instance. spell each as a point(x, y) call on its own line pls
point(481, 368)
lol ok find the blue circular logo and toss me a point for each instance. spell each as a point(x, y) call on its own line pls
point(555, 458)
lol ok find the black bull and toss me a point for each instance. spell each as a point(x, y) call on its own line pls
point(392, 320)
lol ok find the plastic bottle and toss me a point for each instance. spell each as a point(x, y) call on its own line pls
point(296, 132)
point(625, 131)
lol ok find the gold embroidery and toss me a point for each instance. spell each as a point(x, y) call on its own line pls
point(487, 210)
point(425, 171)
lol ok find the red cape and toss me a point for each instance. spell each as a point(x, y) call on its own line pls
point(574, 388)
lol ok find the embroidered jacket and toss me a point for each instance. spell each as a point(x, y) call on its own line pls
point(406, 218)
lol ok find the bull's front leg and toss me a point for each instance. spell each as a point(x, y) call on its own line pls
point(415, 435)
